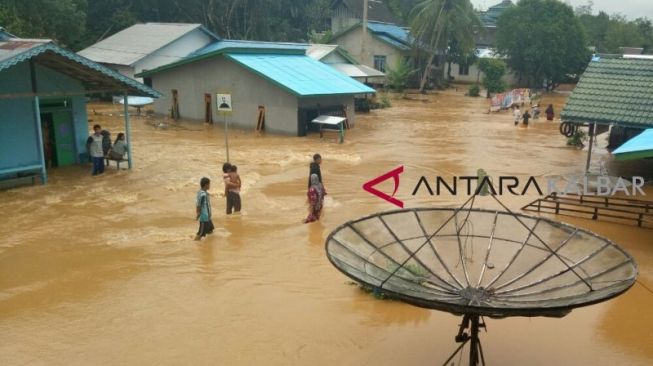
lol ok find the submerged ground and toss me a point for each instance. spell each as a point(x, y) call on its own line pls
point(103, 270)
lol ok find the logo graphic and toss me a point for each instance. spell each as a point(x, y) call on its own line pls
point(369, 186)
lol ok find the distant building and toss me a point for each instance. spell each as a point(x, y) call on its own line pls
point(43, 105)
point(148, 46)
point(347, 13)
point(336, 57)
point(489, 19)
point(485, 43)
point(277, 78)
point(385, 44)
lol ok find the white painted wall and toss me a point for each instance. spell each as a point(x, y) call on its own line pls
point(352, 43)
point(180, 48)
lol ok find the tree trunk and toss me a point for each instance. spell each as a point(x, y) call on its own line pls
point(422, 84)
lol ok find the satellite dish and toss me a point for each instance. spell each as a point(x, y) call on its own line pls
point(476, 263)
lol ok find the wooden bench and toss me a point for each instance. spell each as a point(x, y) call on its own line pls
point(24, 176)
point(118, 161)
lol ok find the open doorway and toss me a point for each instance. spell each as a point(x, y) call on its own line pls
point(58, 138)
point(208, 110)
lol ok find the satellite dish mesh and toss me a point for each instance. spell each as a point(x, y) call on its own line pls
point(476, 263)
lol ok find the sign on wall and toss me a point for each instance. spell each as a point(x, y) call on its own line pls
point(224, 102)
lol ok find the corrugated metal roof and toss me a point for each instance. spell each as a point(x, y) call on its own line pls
point(4, 35)
point(490, 16)
point(613, 90)
point(640, 146)
point(138, 41)
point(357, 71)
point(320, 51)
point(300, 74)
point(91, 74)
point(392, 34)
point(225, 44)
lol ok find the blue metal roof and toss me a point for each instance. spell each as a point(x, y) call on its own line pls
point(641, 144)
point(21, 50)
point(393, 34)
point(224, 44)
point(300, 74)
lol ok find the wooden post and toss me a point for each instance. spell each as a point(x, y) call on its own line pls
point(128, 131)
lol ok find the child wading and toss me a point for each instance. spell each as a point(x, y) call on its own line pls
point(203, 209)
point(94, 147)
point(233, 194)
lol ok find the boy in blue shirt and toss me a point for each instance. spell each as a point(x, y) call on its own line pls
point(203, 209)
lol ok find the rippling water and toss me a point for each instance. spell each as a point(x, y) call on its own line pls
point(103, 270)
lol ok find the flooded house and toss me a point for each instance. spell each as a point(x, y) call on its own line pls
point(148, 46)
point(381, 46)
point(336, 57)
point(276, 79)
point(43, 118)
point(484, 42)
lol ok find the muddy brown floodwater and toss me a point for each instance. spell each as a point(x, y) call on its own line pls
point(103, 271)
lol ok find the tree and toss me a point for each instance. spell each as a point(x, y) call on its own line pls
point(436, 22)
point(398, 76)
point(543, 41)
point(61, 20)
point(493, 72)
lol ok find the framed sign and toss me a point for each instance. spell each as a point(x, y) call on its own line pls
point(224, 102)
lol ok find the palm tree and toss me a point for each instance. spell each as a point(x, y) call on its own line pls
point(437, 22)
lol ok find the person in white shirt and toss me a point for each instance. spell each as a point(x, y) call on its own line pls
point(516, 112)
point(94, 146)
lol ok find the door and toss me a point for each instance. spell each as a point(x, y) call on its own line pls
point(64, 138)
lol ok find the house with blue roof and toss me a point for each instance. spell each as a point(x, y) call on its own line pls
point(278, 78)
point(43, 121)
point(381, 47)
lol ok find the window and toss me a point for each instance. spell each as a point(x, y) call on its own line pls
point(463, 69)
point(379, 63)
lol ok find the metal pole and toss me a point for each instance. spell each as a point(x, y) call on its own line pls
point(226, 135)
point(364, 40)
point(128, 131)
point(37, 118)
point(589, 150)
point(39, 139)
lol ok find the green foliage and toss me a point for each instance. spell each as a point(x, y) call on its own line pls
point(385, 101)
point(437, 23)
point(474, 91)
point(61, 20)
point(608, 33)
point(79, 23)
point(493, 72)
point(578, 139)
point(319, 38)
point(402, 8)
point(544, 42)
point(398, 76)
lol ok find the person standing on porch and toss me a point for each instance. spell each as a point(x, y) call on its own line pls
point(94, 147)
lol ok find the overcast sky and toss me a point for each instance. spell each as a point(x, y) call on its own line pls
point(630, 8)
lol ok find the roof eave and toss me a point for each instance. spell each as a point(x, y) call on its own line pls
point(148, 73)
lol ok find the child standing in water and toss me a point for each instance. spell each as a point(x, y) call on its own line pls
point(233, 193)
point(203, 209)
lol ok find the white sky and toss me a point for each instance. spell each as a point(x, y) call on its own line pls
point(629, 8)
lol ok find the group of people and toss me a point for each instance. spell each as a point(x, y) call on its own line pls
point(526, 116)
point(232, 185)
point(99, 147)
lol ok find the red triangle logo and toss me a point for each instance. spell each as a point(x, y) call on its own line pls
point(369, 186)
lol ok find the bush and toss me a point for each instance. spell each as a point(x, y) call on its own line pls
point(474, 90)
point(385, 101)
point(578, 139)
